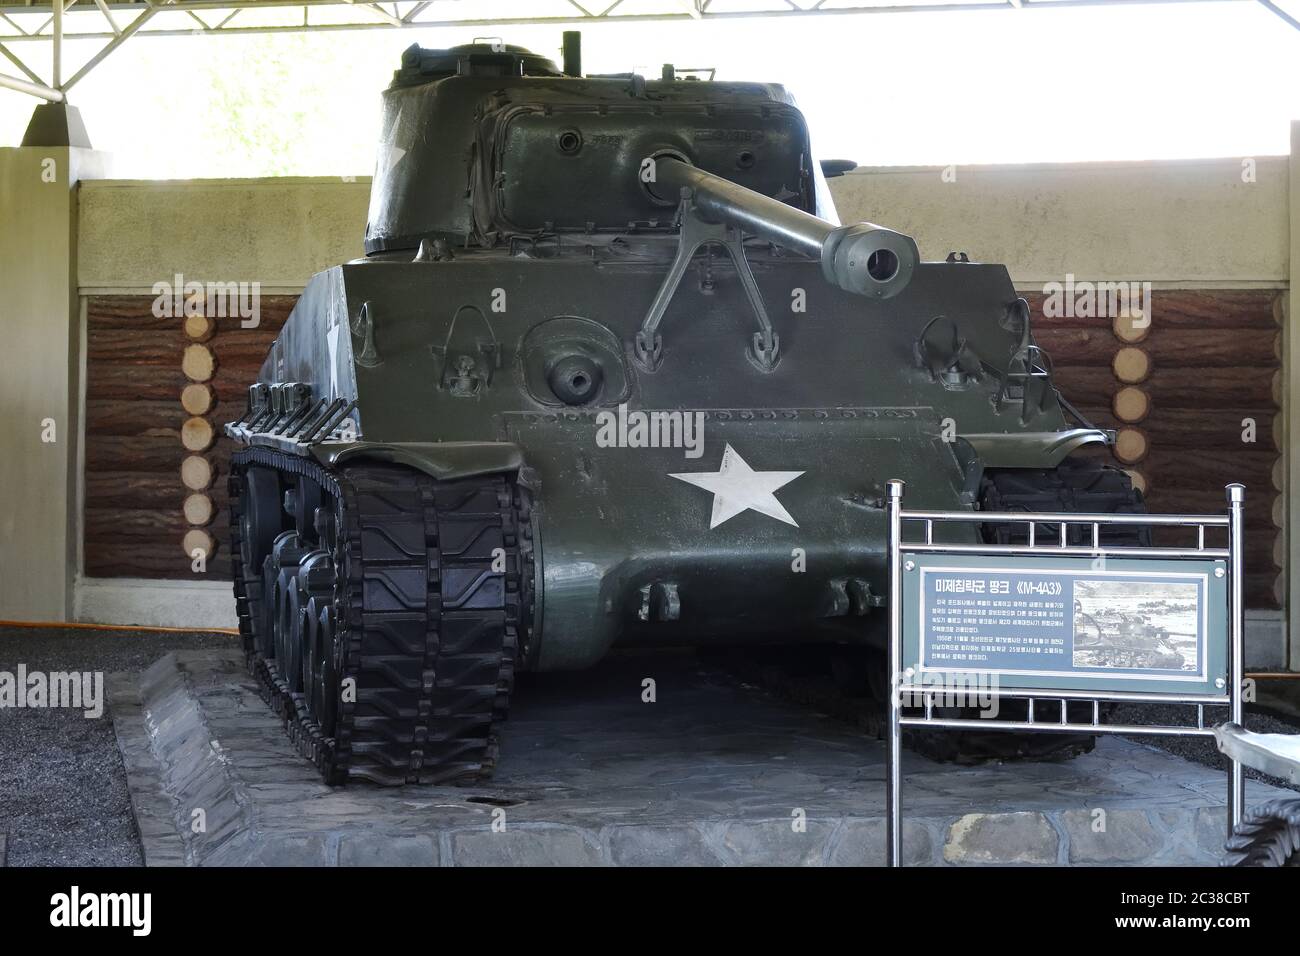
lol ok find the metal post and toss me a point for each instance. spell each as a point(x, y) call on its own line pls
point(56, 70)
point(1236, 640)
point(893, 850)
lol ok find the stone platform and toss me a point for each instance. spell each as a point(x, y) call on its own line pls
point(712, 772)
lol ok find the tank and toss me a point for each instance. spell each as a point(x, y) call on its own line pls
point(1119, 639)
point(612, 373)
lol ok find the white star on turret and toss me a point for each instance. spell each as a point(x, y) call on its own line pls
point(388, 153)
point(736, 487)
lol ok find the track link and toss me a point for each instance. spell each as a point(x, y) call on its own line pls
point(1269, 835)
point(432, 603)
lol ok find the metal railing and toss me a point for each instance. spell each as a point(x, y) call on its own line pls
point(1058, 720)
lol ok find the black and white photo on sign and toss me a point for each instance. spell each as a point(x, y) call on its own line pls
point(1136, 625)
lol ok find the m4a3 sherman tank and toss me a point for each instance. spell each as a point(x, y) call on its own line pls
point(611, 373)
point(1118, 639)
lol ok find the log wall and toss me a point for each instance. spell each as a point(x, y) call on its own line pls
point(1195, 396)
point(141, 517)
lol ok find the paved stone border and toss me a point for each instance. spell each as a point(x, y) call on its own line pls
point(712, 774)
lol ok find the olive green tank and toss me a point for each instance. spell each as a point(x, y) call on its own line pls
point(612, 373)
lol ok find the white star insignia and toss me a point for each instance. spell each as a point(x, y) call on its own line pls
point(736, 487)
point(390, 154)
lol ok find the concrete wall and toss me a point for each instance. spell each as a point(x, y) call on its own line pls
point(274, 231)
point(1190, 224)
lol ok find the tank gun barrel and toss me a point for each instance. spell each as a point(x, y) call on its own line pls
point(863, 258)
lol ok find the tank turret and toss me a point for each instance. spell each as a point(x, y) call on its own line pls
point(483, 142)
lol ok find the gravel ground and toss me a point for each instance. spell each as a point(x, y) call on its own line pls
point(63, 796)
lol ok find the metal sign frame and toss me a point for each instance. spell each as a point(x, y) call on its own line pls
point(902, 680)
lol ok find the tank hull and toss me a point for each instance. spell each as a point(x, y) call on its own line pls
point(445, 362)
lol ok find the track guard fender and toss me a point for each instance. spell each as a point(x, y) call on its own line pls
point(1033, 449)
point(444, 461)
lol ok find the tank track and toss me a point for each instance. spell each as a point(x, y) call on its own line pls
point(1076, 485)
point(848, 682)
point(432, 605)
point(1269, 835)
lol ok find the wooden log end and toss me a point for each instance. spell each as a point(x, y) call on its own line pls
point(1131, 404)
point(198, 509)
point(196, 473)
point(198, 363)
point(200, 327)
point(198, 540)
point(1131, 326)
point(197, 398)
point(1131, 445)
point(1131, 365)
point(197, 434)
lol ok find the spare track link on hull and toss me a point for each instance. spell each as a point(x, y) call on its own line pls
point(435, 603)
